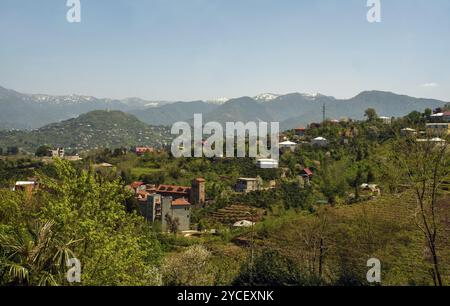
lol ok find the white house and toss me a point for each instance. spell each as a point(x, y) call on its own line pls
point(244, 223)
point(408, 132)
point(267, 163)
point(320, 142)
point(288, 145)
point(386, 120)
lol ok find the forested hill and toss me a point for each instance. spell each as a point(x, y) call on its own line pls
point(97, 129)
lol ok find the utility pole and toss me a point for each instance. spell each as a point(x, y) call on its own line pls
point(324, 113)
point(252, 214)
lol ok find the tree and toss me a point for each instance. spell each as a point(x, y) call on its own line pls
point(12, 151)
point(355, 177)
point(271, 269)
point(189, 268)
point(34, 256)
point(371, 114)
point(42, 151)
point(172, 224)
point(115, 247)
point(426, 166)
point(414, 117)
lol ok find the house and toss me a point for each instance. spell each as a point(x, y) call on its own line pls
point(435, 140)
point(267, 163)
point(156, 208)
point(27, 186)
point(156, 202)
point(105, 165)
point(437, 117)
point(287, 145)
point(408, 132)
point(150, 207)
point(441, 117)
point(142, 150)
point(179, 209)
point(73, 158)
point(244, 223)
point(137, 186)
point(438, 129)
point(372, 188)
point(246, 185)
point(58, 152)
point(446, 116)
point(300, 131)
point(319, 142)
point(386, 120)
point(195, 194)
point(306, 174)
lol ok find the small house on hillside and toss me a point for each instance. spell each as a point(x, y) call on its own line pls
point(244, 223)
point(246, 185)
point(408, 132)
point(58, 152)
point(300, 131)
point(319, 142)
point(287, 145)
point(142, 150)
point(386, 120)
point(267, 163)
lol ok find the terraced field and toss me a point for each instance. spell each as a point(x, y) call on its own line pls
point(234, 213)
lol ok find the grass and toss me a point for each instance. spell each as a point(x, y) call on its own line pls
point(138, 171)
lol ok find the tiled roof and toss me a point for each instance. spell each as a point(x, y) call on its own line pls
point(135, 185)
point(180, 202)
point(308, 171)
point(173, 189)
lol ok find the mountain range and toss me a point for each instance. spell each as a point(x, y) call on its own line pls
point(32, 111)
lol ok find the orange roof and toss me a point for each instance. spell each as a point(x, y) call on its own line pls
point(200, 179)
point(180, 202)
point(144, 149)
point(308, 171)
point(142, 195)
point(135, 185)
point(173, 189)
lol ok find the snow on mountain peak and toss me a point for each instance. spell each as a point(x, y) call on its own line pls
point(266, 97)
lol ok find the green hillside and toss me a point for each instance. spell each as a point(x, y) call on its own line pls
point(97, 129)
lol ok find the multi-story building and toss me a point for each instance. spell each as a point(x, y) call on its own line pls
point(179, 210)
point(157, 208)
point(438, 129)
point(169, 202)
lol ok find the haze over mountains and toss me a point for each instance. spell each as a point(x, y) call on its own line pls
point(28, 111)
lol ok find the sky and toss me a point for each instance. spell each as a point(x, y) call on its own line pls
point(182, 50)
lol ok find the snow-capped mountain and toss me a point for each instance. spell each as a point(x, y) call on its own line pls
point(71, 99)
point(31, 111)
point(266, 97)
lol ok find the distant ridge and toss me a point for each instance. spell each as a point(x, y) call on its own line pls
point(24, 111)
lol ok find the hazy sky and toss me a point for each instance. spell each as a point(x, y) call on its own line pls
point(203, 49)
